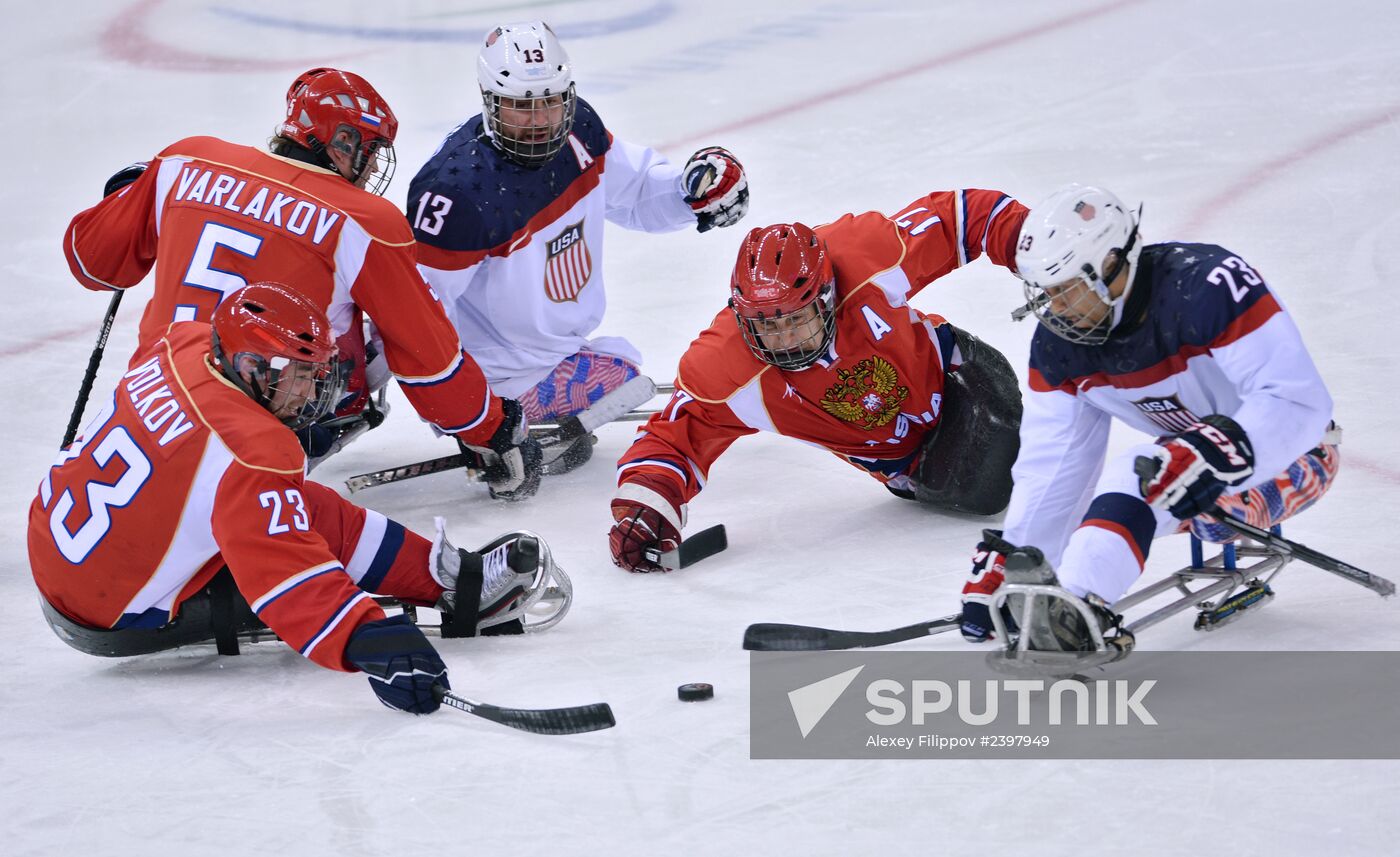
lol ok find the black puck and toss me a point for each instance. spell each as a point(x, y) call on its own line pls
point(695, 692)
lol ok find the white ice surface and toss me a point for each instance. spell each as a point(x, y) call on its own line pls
point(1268, 127)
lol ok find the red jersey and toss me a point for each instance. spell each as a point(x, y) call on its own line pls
point(180, 474)
point(879, 388)
point(212, 217)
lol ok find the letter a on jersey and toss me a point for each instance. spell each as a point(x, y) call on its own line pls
point(567, 264)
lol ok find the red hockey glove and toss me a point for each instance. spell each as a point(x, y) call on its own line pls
point(716, 188)
point(638, 528)
point(986, 578)
point(1192, 469)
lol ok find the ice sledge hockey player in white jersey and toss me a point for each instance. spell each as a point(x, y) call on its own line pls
point(1182, 341)
point(508, 215)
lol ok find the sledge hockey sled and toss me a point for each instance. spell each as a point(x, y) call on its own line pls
point(1221, 589)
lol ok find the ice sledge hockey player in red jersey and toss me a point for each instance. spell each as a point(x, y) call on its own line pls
point(819, 343)
point(1185, 342)
point(509, 215)
point(212, 216)
point(181, 515)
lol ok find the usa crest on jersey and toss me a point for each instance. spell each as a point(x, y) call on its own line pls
point(567, 264)
point(1167, 412)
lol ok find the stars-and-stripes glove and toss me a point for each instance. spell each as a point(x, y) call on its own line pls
point(984, 580)
point(715, 187)
point(1192, 469)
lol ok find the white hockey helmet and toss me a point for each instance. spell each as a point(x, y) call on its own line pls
point(523, 69)
point(1060, 256)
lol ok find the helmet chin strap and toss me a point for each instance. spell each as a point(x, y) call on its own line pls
point(1127, 267)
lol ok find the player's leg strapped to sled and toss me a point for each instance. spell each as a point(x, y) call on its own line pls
point(964, 465)
point(509, 586)
point(1058, 624)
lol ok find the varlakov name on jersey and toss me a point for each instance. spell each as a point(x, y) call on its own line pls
point(212, 216)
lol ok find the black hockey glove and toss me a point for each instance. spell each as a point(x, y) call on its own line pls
point(1193, 468)
point(403, 667)
point(123, 177)
point(512, 460)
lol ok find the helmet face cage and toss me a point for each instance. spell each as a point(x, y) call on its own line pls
point(276, 346)
point(527, 92)
point(371, 163)
point(339, 110)
point(1090, 286)
point(1072, 246)
point(297, 392)
point(532, 129)
point(803, 340)
point(1067, 327)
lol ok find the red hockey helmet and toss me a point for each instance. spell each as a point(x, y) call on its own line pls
point(338, 115)
point(302, 80)
point(277, 346)
point(783, 294)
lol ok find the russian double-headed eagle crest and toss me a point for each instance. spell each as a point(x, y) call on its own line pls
point(868, 394)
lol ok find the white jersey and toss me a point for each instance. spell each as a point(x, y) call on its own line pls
point(516, 254)
point(1215, 340)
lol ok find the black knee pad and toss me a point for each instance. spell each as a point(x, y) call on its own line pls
point(964, 464)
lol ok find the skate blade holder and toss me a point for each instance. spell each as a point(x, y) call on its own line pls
point(545, 604)
point(1246, 566)
point(550, 595)
point(1017, 658)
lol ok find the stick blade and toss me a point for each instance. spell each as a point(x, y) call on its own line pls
point(541, 721)
point(777, 637)
point(552, 721)
point(407, 471)
point(702, 545)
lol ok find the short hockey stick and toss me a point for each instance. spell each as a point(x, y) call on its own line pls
point(1146, 467)
point(542, 721)
point(1373, 582)
point(548, 434)
point(703, 544)
point(93, 362)
point(775, 637)
point(618, 406)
